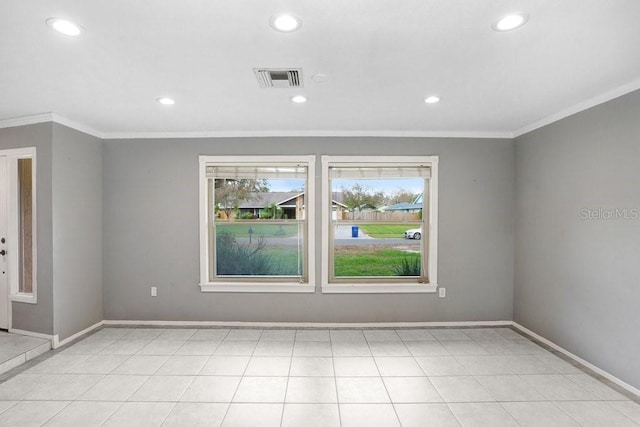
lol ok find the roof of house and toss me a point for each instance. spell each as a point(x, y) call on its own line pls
point(337, 197)
point(260, 200)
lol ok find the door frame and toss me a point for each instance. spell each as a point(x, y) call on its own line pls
point(12, 218)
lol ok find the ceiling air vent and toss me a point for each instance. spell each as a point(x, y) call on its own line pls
point(278, 77)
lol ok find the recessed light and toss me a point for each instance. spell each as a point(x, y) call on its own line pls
point(432, 99)
point(64, 26)
point(511, 22)
point(165, 100)
point(285, 22)
point(298, 99)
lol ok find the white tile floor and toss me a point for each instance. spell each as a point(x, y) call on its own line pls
point(252, 377)
point(18, 349)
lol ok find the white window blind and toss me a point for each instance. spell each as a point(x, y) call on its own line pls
point(257, 172)
point(377, 172)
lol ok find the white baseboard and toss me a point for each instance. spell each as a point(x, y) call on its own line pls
point(583, 362)
point(57, 344)
point(304, 324)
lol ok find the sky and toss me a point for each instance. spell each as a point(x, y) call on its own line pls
point(387, 186)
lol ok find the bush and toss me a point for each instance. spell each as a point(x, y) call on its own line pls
point(410, 266)
point(272, 212)
point(234, 259)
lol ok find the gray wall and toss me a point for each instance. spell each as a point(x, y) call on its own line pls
point(77, 230)
point(151, 233)
point(37, 317)
point(577, 280)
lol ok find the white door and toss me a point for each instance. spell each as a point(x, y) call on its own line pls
point(4, 286)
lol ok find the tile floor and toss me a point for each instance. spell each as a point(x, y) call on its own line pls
point(253, 377)
point(18, 349)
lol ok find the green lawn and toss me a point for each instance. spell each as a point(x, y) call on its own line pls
point(239, 229)
point(387, 231)
point(286, 260)
point(372, 263)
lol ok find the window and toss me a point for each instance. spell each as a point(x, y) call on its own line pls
point(21, 224)
point(256, 220)
point(25, 226)
point(380, 224)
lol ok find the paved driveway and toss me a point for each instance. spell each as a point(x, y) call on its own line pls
point(344, 232)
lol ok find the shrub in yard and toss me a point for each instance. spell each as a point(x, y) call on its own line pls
point(272, 212)
point(233, 258)
point(410, 266)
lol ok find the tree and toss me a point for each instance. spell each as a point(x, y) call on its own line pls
point(359, 197)
point(400, 196)
point(229, 193)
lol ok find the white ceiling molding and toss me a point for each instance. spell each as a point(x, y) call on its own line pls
point(582, 106)
point(27, 120)
point(77, 126)
point(53, 118)
point(56, 118)
point(309, 133)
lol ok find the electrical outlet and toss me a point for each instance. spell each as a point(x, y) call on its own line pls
point(442, 292)
point(154, 291)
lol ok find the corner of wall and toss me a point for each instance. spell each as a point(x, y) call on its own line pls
point(77, 230)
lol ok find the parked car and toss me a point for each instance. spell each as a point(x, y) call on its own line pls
point(414, 233)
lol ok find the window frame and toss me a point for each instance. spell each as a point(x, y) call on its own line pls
point(380, 286)
point(13, 225)
point(259, 284)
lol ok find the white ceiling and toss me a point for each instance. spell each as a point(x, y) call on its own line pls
point(382, 57)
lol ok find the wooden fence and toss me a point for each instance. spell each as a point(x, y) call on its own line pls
point(380, 216)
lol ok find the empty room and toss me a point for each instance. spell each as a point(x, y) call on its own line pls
point(319, 213)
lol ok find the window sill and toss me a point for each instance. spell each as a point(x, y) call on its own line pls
point(380, 288)
point(26, 298)
point(257, 287)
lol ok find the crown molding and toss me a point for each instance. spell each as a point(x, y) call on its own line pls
point(50, 118)
point(307, 133)
point(577, 108)
point(56, 118)
point(26, 120)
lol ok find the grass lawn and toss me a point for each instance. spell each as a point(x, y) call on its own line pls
point(353, 261)
point(387, 231)
point(286, 260)
point(239, 229)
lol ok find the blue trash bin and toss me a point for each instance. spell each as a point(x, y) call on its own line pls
point(354, 231)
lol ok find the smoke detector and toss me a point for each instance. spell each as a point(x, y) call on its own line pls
point(278, 77)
